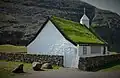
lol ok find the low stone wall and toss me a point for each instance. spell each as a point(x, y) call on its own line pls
point(29, 58)
point(97, 62)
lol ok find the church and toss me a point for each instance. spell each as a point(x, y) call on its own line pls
point(69, 39)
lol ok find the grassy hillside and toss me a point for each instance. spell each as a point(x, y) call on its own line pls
point(21, 19)
point(7, 67)
point(111, 67)
point(12, 48)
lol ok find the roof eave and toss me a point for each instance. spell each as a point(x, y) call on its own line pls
point(91, 44)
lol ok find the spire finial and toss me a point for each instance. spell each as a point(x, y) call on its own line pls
point(84, 10)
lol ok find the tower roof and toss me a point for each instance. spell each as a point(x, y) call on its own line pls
point(84, 17)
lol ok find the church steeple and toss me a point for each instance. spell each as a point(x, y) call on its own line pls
point(85, 20)
point(84, 10)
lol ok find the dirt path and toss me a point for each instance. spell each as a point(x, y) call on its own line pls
point(69, 73)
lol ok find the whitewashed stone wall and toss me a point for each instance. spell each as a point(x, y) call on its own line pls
point(49, 42)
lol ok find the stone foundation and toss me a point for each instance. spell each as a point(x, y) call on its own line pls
point(97, 62)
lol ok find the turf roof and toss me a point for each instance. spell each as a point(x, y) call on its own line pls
point(75, 31)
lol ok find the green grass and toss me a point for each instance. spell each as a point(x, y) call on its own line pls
point(94, 25)
point(7, 67)
point(113, 53)
point(111, 67)
point(55, 67)
point(75, 31)
point(12, 48)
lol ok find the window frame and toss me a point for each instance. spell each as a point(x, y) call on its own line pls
point(84, 50)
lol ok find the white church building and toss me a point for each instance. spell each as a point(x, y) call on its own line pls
point(70, 39)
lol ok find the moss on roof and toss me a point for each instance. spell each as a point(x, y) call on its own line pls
point(75, 31)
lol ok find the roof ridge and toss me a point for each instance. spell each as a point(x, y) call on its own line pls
point(90, 32)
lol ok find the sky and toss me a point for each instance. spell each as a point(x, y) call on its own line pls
point(112, 5)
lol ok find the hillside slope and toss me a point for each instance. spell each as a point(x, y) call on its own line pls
point(107, 25)
point(21, 19)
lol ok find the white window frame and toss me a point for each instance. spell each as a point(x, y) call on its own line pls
point(84, 50)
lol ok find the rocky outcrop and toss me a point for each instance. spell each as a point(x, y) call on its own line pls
point(107, 25)
point(20, 20)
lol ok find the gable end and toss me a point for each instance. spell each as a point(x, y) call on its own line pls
point(55, 27)
point(38, 32)
point(63, 34)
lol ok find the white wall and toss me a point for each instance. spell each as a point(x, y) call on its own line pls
point(106, 50)
point(86, 22)
point(49, 42)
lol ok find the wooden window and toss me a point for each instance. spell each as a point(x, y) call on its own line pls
point(95, 49)
point(84, 50)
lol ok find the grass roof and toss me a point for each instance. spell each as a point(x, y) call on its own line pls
point(75, 31)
